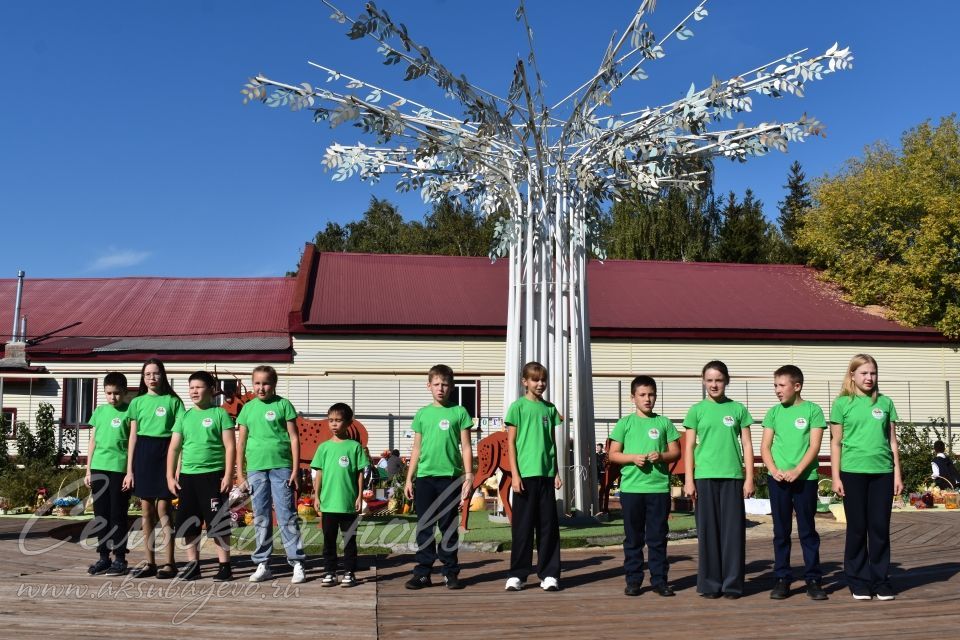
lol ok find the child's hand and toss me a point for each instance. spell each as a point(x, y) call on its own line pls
point(897, 484)
point(173, 485)
point(747, 488)
point(127, 482)
point(516, 484)
point(316, 503)
point(557, 482)
point(242, 481)
point(640, 459)
point(226, 483)
point(789, 476)
point(467, 487)
point(653, 457)
point(776, 474)
point(838, 486)
point(358, 505)
point(294, 481)
point(408, 490)
point(690, 489)
point(86, 478)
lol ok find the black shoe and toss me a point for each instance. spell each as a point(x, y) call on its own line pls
point(815, 591)
point(861, 594)
point(632, 589)
point(99, 567)
point(453, 582)
point(146, 570)
point(731, 596)
point(223, 574)
point(190, 571)
point(781, 590)
point(711, 596)
point(118, 568)
point(663, 590)
point(885, 592)
point(418, 582)
point(168, 571)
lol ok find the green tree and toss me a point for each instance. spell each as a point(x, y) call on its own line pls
point(453, 230)
point(887, 227)
point(745, 235)
point(792, 209)
point(673, 226)
point(333, 238)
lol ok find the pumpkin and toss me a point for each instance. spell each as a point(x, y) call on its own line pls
point(307, 512)
point(478, 502)
point(406, 508)
point(248, 518)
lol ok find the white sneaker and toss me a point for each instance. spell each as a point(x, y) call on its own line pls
point(348, 580)
point(329, 580)
point(513, 584)
point(550, 584)
point(298, 574)
point(262, 573)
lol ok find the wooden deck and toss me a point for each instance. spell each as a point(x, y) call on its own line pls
point(49, 594)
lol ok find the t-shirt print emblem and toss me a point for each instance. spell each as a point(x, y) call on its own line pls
point(877, 413)
point(729, 421)
point(270, 415)
point(160, 412)
point(207, 422)
point(344, 461)
point(116, 422)
point(800, 423)
point(444, 425)
point(654, 434)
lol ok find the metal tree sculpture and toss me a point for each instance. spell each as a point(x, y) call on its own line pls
point(513, 153)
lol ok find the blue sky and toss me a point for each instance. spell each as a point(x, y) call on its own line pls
point(126, 149)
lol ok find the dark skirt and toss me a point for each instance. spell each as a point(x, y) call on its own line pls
point(150, 468)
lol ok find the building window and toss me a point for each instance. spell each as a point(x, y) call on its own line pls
point(228, 389)
point(466, 393)
point(79, 395)
point(9, 422)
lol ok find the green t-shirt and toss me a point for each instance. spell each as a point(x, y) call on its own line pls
point(202, 447)
point(536, 448)
point(644, 435)
point(341, 464)
point(111, 432)
point(155, 415)
point(268, 441)
point(791, 434)
point(439, 429)
point(866, 433)
point(718, 453)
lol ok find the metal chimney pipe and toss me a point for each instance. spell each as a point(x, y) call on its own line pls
point(23, 329)
point(16, 308)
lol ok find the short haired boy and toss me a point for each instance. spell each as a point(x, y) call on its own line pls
point(792, 432)
point(107, 476)
point(203, 443)
point(339, 464)
point(269, 448)
point(442, 465)
point(644, 443)
point(531, 422)
point(945, 473)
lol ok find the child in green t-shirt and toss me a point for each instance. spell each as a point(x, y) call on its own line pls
point(645, 443)
point(204, 446)
point(530, 424)
point(865, 461)
point(269, 447)
point(107, 476)
point(718, 470)
point(338, 482)
point(792, 431)
point(441, 463)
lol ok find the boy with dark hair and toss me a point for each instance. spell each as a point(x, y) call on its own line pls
point(441, 465)
point(338, 481)
point(107, 476)
point(792, 432)
point(644, 443)
point(204, 438)
point(944, 473)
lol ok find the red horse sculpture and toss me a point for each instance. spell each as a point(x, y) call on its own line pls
point(492, 454)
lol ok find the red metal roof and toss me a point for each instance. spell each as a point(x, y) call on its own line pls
point(184, 312)
point(348, 293)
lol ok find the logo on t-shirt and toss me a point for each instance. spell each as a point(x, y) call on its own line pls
point(729, 421)
point(160, 412)
point(270, 415)
point(877, 413)
point(546, 422)
point(344, 461)
point(654, 434)
point(800, 423)
point(207, 422)
point(444, 425)
point(116, 422)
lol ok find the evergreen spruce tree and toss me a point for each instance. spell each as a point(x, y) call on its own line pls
point(792, 209)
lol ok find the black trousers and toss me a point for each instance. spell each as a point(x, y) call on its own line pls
point(645, 522)
point(535, 515)
point(866, 554)
point(786, 499)
point(721, 536)
point(332, 523)
point(110, 505)
point(436, 500)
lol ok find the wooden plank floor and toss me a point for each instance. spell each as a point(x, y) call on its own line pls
point(45, 591)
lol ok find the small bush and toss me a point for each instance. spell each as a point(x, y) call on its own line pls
point(20, 485)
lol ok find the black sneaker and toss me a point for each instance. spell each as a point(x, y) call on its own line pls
point(885, 592)
point(781, 590)
point(117, 568)
point(418, 582)
point(663, 590)
point(815, 591)
point(190, 571)
point(711, 596)
point(453, 582)
point(224, 573)
point(632, 589)
point(731, 596)
point(860, 594)
point(145, 570)
point(99, 567)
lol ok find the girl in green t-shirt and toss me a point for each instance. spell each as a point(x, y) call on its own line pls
point(865, 463)
point(718, 441)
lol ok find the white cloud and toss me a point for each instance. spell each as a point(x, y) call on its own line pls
point(115, 258)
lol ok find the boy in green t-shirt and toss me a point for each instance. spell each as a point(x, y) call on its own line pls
point(533, 463)
point(792, 431)
point(442, 464)
point(645, 443)
point(107, 476)
point(338, 481)
point(203, 444)
point(269, 448)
